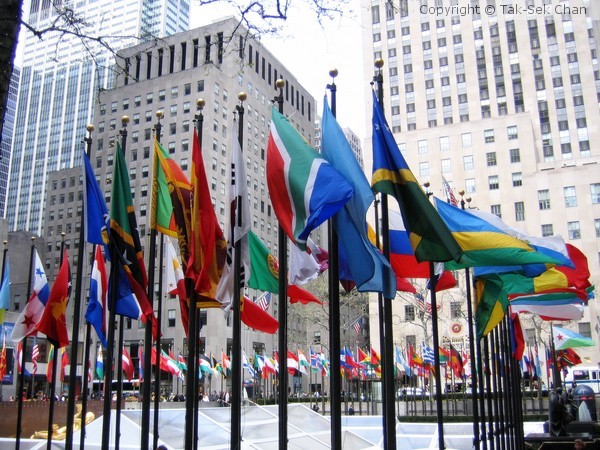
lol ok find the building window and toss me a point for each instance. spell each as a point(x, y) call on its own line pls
point(512, 132)
point(515, 155)
point(444, 143)
point(466, 140)
point(519, 211)
point(424, 169)
point(491, 159)
point(595, 191)
point(422, 146)
point(493, 182)
point(489, 136)
point(496, 210)
point(585, 329)
point(446, 165)
point(172, 318)
point(570, 196)
point(455, 310)
point(597, 226)
point(544, 199)
point(547, 229)
point(517, 179)
point(409, 313)
point(468, 163)
point(574, 230)
point(469, 185)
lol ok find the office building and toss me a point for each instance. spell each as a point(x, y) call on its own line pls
point(60, 78)
point(503, 104)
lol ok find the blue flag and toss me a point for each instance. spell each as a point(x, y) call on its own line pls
point(96, 220)
point(5, 292)
point(369, 268)
point(97, 310)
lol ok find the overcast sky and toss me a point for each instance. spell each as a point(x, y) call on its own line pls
point(310, 50)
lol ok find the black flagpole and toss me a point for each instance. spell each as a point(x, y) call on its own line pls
point(236, 350)
point(87, 342)
point(191, 393)
point(24, 347)
point(157, 128)
point(389, 419)
point(335, 385)
point(436, 357)
point(76, 319)
point(474, 355)
point(119, 361)
point(110, 338)
point(283, 375)
point(54, 364)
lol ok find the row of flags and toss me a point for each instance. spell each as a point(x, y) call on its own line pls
point(524, 273)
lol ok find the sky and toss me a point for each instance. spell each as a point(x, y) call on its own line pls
point(310, 50)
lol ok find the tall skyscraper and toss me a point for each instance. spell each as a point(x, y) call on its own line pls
point(58, 89)
point(501, 101)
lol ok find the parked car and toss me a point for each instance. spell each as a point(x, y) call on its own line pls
point(410, 392)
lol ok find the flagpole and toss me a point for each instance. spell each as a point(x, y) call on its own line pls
point(24, 346)
point(191, 394)
point(54, 364)
point(335, 403)
point(110, 338)
point(282, 338)
point(389, 419)
point(152, 263)
point(476, 439)
point(86, 362)
point(76, 319)
point(556, 378)
point(4, 253)
point(236, 350)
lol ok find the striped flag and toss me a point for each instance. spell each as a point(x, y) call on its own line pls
point(35, 354)
point(357, 327)
point(449, 192)
point(264, 301)
point(428, 355)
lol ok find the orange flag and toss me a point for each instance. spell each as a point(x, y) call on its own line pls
point(54, 321)
point(208, 246)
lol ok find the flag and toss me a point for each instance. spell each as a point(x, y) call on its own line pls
point(176, 283)
point(264, 274)
point(162, 215)
point(97, 309)
point(375, 357)
point(314, 360)
point(20, 358)
point(429, 236)
point(292, 363)
point(96, 220)
point(484, 244)
point(207, 245)
point(444, 355)
point(401, 359)
point(64, 362)
point(53, 322)
point(50, 364)
point(567, 358)
point(35, 354)
point(124, 237)
point(492, 303)
point(205, 364)
point(370, 270)
point(246, 365)
point(450, 197)
point(181, 361)
point(456, 362)
point(357, 327)
point(239, 225)
point(100, 364)
point(428, 355)
point(403, 260)
point(264, 301)
point(305, 189)
point(5, 292)
point(302, 361)
point(141, 363)
point(3, 360)
point(517, 337)
point(303, 266)
point(565, 338)
point(127, 364)
point(549, 306)
point(32, 313)
point(362, 356)
point(255, 317)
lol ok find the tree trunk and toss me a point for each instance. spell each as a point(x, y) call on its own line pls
point(10, 22)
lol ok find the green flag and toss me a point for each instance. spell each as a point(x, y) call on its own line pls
point(264, 272)
point(492, 303)
point(161, 211)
